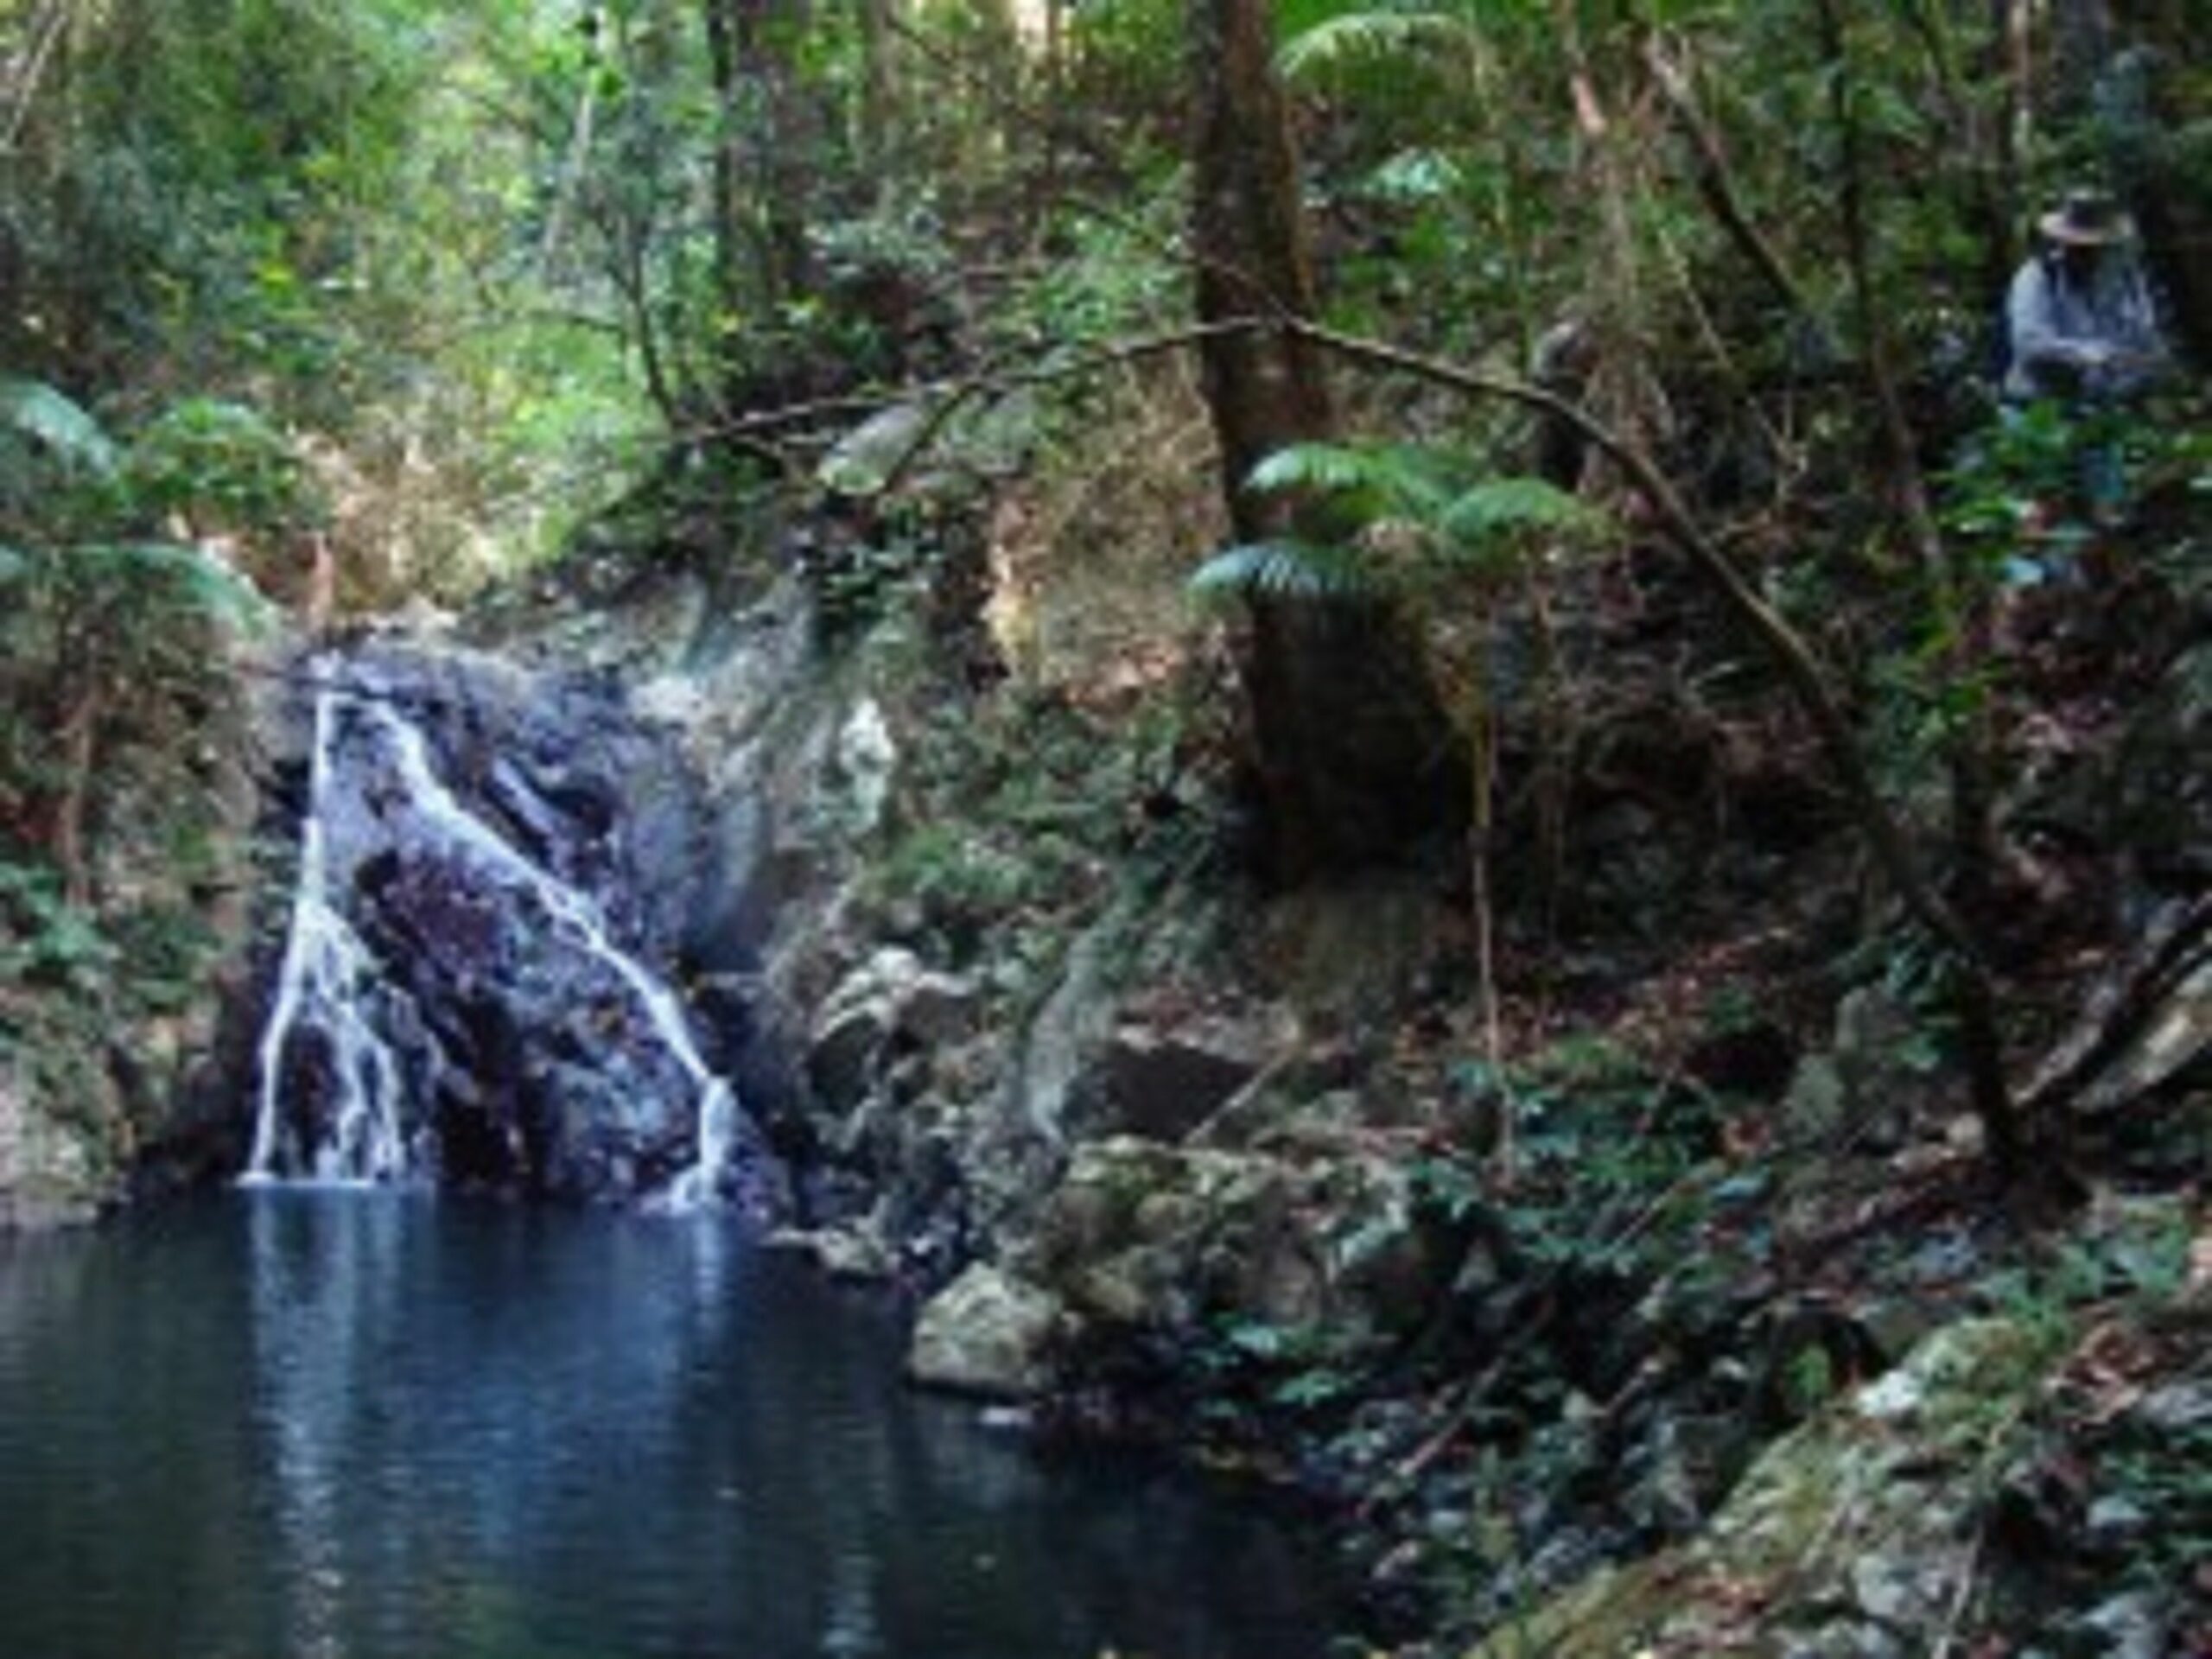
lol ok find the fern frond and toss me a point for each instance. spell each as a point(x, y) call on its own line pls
point(1284, 569)
point(1499, 505)
point(1380, 480)
point(190, 577)
point(1388, 38)
point(60, 424)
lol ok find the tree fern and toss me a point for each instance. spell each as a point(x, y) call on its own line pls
point(1372, 481)
point(1407, 514)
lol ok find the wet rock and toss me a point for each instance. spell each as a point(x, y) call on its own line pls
point(867, 761)
point(2132, 1626)
point(855, 1254)
point(2175, 1408)
point(2178, 1036)
point(1846, 1639)
point(1899, 1594)
point(862, 461)
point(505, 863)
point(1060, 1041)
point(989, 1334)
point(2114, 1524)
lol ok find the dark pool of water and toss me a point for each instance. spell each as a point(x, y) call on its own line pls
point(294, 1424)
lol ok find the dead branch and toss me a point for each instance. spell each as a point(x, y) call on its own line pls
point(1715, 180)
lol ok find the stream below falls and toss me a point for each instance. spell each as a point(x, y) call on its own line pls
point(303, 1424)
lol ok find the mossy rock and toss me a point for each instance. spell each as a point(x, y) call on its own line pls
point(1851, 1531)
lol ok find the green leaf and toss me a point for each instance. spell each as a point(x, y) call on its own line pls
point(59, 423)
point(1284, 569)
point(1416, 175)
point(15, 565)
point(1394, 38)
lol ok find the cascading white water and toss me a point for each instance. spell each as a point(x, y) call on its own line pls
point(327, 971)
point(717, 1107)
point(320, 982)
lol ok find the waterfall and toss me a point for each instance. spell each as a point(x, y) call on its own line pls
point(356, 1002)
point(320, 983)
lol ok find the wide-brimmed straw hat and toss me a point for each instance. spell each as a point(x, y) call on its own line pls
point(2087, 219)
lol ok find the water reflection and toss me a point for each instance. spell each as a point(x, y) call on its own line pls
point(365, 1424)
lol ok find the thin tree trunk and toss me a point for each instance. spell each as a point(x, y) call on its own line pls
point(48, 28)
point(879, 105)
point(572, 176)
point(1716, 183)
point(727, 174)
point(80, 750)
point(2016, 35)
point(766, 143)
point(1990, 186)
point(2170, 189)
point(1972, 833)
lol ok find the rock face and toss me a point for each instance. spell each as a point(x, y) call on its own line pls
point(46, 1177)
point(494, 885)
point(1146, 1236)
point(888, 1006)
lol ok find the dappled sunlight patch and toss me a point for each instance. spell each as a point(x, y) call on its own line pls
point(1089, 555)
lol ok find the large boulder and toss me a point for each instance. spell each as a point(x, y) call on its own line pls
point(988, 1333)
point(1141, 1236)
point(1848, 1535)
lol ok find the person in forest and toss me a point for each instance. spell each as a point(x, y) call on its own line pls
point(2081, 330)
point(2079, 318)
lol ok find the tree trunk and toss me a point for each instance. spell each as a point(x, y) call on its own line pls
point(879, 123)
point(766, 145)
point(1353, 755)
